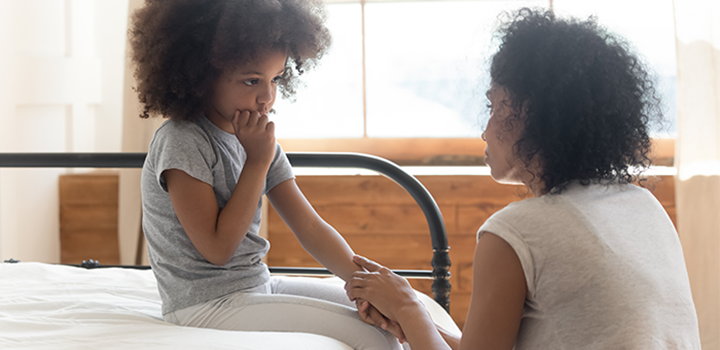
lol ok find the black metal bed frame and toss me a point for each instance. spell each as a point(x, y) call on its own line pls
point(440, 261)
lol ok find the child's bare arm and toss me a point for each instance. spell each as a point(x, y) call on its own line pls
point(317, 237)
point(323, 242)
point(216, 233)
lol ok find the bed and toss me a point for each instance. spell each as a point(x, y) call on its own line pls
point(93, 306)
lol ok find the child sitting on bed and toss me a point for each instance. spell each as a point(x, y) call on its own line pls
point(213, 67)
point(593, 261)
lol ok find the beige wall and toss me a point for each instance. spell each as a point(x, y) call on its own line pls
point(697, 156)
point(61, 71)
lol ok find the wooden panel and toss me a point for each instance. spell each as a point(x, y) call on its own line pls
point(89, 189)
point(89, 218)
point(96, 244)
point(81, 216)
point(323, 190)
point(360, 219)
point(380, 220)
point(468, 189)
point(395, 251)
point(464, 189)
point(663, 187)
point(471, 217)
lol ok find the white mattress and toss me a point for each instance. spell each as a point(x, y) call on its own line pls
point(45, 306)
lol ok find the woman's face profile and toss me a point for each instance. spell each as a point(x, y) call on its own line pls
point(500, 136)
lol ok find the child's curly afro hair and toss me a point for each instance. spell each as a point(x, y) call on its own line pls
point(180, 47)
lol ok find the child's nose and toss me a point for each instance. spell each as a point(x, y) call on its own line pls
point(266, 94)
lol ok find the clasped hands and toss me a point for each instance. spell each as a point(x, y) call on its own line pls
point(380, 296)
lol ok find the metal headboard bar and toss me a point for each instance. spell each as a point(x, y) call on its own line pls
point(441, 259)
point(299, 271)
point(72, 160)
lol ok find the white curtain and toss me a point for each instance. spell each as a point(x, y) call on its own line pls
point(697, 156)
point(61, 65)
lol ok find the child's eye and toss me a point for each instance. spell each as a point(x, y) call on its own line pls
point(250, 82)
point(278, 79)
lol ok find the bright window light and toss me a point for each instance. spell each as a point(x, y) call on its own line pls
point(330, 105)
point(427, 64)
point(649, 26)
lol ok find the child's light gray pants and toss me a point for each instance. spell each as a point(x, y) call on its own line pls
point(289, 304)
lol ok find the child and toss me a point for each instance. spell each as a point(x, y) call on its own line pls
point(593, 261)
point(213, 68)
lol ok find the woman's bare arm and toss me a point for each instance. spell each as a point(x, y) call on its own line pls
point(498, 296)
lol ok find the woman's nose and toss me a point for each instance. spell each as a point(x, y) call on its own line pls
point(483, 136)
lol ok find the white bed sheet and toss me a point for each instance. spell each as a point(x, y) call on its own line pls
point(46, 306)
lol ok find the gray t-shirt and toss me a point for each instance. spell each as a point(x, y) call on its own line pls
point(215, 157)
point(604, 270)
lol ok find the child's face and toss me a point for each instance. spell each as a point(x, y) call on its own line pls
point(251, 87)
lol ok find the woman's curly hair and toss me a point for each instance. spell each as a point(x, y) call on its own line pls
point(181, 47)
point(585, 100)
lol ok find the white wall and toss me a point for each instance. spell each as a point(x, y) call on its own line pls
point(61, 90)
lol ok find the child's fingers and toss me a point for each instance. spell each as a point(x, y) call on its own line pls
point(235, 121)
point(398, 331)
point(354, 287)
point(378, 319)
point(262, 122)
point(362, 307)
point(242, 118)
point(235, 117)
point(254, 118)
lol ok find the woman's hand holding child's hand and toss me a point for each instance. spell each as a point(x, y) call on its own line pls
point(382, 291)
point(256, 134)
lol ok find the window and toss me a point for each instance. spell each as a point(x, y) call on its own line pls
point(418, 69)
point(649, 26)
point(330, 105)
point(426, 66)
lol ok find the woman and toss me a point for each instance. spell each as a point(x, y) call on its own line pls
point(591, 261)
